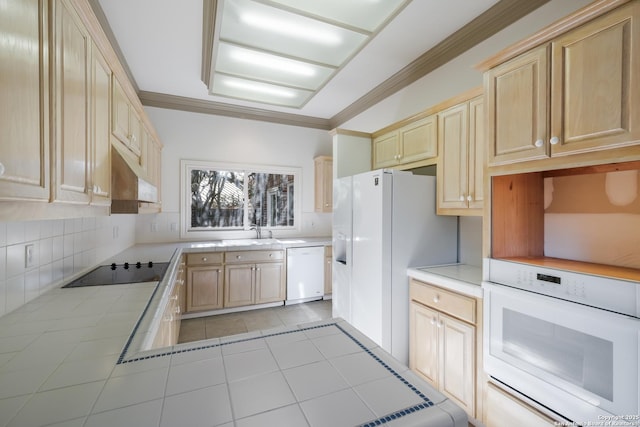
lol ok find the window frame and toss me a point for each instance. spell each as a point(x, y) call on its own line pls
point(190, 233)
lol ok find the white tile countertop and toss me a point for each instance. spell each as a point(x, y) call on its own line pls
point(462, 278)
point(63, 362)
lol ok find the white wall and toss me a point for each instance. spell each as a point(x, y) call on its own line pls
point(193, 136)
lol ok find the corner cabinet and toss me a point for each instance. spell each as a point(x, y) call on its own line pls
point(414, 141)
point(442, 341)
point(461, 165)
point(574, 94)
point(323, 189)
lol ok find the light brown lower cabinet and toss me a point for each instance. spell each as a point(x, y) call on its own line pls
point(442, 345)
point(218, 280)
point(205, 281)
point(254, 277)
point(503, 410)
point(205, 288)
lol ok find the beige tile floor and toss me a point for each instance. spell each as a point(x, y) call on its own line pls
point(223, 325)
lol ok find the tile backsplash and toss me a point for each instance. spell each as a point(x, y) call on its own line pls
point(58, 250)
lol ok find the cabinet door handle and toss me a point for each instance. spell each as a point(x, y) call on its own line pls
point(433, 321)
point(436, 299)
point(539, 143)
point(462, 197)
point(204, 259)
point(469, 198)
point(554, 140)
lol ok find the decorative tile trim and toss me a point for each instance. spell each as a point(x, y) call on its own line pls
point(426, 402)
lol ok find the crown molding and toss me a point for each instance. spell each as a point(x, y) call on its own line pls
point(160, 100)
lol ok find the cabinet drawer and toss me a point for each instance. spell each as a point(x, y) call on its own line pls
point(204, 258)
point(253, 256)
point(445, 301)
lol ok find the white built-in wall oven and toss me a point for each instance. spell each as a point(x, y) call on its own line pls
point(565, 342)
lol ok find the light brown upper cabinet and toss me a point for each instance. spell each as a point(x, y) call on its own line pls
point(72, 46)
point(461, 165)
point(24, 112)
point(323, 171)
point(125, 123)
point(574, 94)
point(410, 141)
point(100, 129)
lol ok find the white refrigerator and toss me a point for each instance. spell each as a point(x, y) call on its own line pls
point(385, 221)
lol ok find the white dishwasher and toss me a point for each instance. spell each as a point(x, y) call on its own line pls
point(305, 274)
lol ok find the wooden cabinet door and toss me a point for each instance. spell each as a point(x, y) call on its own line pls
point(239, 285)
point(120, 113)
point(517, 103)
point(385, 150)
point(423, 342)
point(204, 288)
point(476, 153)
point(24, 112)
point(594, 91)
point(323, 170)
point(453, 136)
point(419, 140)
point(135, 132)
point(457, 362)
point(71, 76)
point(100, 129)
point(269, 282)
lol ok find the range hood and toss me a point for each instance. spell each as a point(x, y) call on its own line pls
point(129, 185)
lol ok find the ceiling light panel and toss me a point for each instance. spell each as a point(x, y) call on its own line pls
point(235, 87)
point(249, 23)
point(262, 66)
point(367, 15)
point(281, 52)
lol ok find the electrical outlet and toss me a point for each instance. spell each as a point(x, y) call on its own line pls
point(28, 255)
point(154, 227)
point(174, 226)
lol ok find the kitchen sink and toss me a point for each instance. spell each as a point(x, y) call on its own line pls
point(249, 242)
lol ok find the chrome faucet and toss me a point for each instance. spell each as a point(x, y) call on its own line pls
point(258, 231)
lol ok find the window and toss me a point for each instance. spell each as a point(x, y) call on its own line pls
point(230, 199)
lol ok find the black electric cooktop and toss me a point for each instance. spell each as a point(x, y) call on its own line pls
point(118, 274)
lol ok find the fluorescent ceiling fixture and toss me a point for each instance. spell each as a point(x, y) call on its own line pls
point(256, 87)
point(283, 51)
point(292, 29)
point(272, 62)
